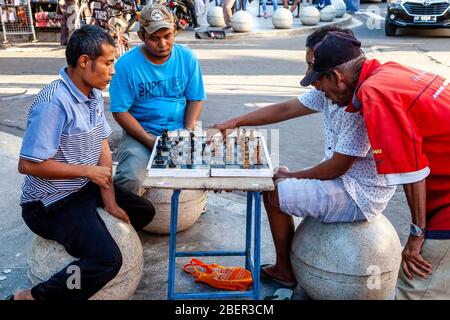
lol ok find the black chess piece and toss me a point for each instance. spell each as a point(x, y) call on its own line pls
point(203, 149)
point(165, 134)
point(164, 138)
point(159, 159)
point(171, 163)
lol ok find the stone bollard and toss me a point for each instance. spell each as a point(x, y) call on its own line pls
point(346, 260)
point(48, 257)
point(340, 7)
point(328, 13)
point(309, 16)
point(190, 207)
point(214, 17)
point(282, 19)
point(242, 21)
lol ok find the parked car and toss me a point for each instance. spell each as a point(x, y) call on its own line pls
point(430, 14)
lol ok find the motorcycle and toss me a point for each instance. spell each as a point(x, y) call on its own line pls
point(117, 17)
point(180, 13)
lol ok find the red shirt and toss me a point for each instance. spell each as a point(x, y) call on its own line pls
point(407, 114)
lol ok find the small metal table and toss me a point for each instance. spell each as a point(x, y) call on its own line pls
point(253, 187)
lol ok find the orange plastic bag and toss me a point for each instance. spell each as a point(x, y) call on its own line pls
point(217, 276)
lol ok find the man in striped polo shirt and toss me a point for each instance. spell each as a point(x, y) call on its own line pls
point(67, 161)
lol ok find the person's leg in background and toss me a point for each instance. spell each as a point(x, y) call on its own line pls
point(227, 12)
point(295, 5)
point(437, 285)
point(285, 4)
point(264, 7)
point(241, 5)
point(191, 8)
point(275, 5)
point(133, 159)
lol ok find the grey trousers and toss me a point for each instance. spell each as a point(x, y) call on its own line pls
point(133, 159)
point(227, 11)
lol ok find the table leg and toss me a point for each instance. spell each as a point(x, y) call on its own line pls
point(248, 232)
point(257, 245)
point(173, 242)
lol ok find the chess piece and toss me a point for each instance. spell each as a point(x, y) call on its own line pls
point(218, 148)
point(242, 142)
point(191, 137)
point(246, 163)
point(203, 149)
point(213, 148)
point(229, 151)
point(164, 138)
point(159, 159)
point(238, 130)
point(171, 163)
point(258, 152)
point(252, 135)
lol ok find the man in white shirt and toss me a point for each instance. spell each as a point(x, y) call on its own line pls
point(344, 187)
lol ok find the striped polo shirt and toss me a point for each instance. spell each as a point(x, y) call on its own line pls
point(66, 126)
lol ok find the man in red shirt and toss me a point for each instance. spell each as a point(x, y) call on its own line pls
point(407, 114)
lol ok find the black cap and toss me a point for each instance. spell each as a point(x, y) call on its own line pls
point(335, 49)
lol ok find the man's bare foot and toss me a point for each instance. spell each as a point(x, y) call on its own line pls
point(23, 295)
point(280, 275)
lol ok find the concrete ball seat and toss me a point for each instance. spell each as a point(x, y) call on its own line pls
point(242, 21)
point(48, 257)
point(346, 260)
point(282, 19)
point(328, 13)
point(340, 6)
point(214, 17)
point(309, 16)
point(190, 207)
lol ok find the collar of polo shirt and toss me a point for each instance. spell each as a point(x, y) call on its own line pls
point(80, 96)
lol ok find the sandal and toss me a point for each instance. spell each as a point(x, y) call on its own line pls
point(287, 284)
point(281, 294)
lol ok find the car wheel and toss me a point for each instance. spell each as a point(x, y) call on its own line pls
point(389, 29)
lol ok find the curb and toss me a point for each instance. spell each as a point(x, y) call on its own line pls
point(345, 20)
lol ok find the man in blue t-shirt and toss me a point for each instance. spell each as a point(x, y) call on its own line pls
point(157, 86)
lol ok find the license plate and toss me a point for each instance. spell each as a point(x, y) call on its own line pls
point(425, 19)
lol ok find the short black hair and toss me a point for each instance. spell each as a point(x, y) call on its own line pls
point(320, 33)
point(87, 40)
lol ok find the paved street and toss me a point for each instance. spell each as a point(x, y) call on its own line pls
point(240, 76)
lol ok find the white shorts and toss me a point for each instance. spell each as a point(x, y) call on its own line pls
point(326, 200)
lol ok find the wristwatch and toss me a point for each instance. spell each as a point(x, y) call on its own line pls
point(416, 231)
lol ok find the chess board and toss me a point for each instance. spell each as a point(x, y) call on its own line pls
point(230, 158)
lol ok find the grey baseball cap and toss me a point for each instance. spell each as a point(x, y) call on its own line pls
point(154, 17)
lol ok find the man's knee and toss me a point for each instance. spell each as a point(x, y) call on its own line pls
point(146, 215)
point(113, 265)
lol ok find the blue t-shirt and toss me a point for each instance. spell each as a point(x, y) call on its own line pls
point(155, 94)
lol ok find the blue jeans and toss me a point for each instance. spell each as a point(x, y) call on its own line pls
point(264, 5)
point(133, 159)
point(238, 5)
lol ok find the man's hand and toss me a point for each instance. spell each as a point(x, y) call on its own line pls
point(225, 128)
point(118, 212)
point(412, 261)
point(100, 175)
point(282, 173)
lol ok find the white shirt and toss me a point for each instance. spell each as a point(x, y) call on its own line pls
point(346, 133)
